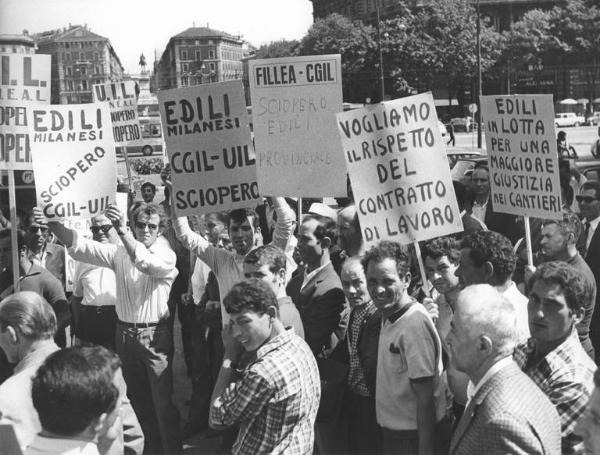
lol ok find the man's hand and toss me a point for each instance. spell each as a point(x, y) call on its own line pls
point(233, 348)
point(38, 216)
point(114, 215)
point(187, 298)
point(432, 308)
point(528, 273)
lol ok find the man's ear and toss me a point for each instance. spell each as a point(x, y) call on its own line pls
point(484, 344)
point(407, 278)
point(281, 275)
point(326, 242)
point(273, 311)
point(488, 270)
point(12, 334)
point(578, 315)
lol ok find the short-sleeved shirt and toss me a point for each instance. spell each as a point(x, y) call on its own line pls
point(409, 349)
point(37, 279)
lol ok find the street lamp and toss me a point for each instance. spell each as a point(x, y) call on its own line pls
point(479, 91)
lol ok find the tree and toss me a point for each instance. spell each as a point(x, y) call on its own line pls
point(354, 41)
point(281, 48)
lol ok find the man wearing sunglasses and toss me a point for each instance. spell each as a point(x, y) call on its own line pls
point(94, 293)
point(588, 200)
point(144, 267)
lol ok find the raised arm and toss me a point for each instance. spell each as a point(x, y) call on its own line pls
point(286, 223)
point(61, 232)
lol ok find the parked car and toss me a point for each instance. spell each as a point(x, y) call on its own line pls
point(594, 119)
point(590, 168)
point(461, 124)
point(568, 119)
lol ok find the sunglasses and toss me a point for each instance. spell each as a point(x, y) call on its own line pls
point(35, 229)
point(142, 226)
point(586, 199)
point(104, 228)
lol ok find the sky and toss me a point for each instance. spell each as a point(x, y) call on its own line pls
point(141, 26)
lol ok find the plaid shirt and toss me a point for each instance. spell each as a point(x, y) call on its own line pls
point(356, 374)
point(276, 400)
point(566, 376)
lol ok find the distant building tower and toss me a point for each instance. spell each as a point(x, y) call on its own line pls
point(80, 58)
point(200, 55)
point(17, 44)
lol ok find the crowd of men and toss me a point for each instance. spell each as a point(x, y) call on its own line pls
point(299, 339)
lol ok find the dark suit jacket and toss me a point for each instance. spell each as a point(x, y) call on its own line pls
point(592, 257)
point(503, 223)
point(368, 344)
point(509, 414)
point(320, 304)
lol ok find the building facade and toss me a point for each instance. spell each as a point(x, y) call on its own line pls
point(80, 58)
point(200, 55)
point(17, 44)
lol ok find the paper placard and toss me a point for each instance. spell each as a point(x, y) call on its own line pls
point(74, 160)
point(523, 159)
point(123, 110)
point(399, 171)
point(206, 130)
point(24, 81)
point(294, 102)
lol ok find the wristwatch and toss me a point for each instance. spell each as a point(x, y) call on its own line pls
point(227, 363)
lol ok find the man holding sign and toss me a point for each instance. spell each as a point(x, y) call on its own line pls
point(144, 267)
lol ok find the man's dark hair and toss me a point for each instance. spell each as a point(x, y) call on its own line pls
point(592, 185)
point(567, 277)
point(253, 294)
point(569, 224)
point(149, 208)
point(481, 165)
point(442, 246)
point(240, 215)
point(150, 185)
point(267, 254)
point(392, 250)
point(326, 227)
point(464, 196)
point(489, 246)
point(21, 237)
point(73, 387)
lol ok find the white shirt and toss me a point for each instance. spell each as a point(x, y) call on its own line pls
point(143, 285)
point(593, 226)
point(56, 446)
point(519, 301)
point(96, 285)
point(472, 389)
point(478, 210)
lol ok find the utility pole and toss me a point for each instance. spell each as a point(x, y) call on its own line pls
point(381, 77)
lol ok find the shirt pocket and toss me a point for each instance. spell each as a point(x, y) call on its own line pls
point(397, 358)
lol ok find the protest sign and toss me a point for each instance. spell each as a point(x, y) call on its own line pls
point(399, 171)
point(123, 110)
point(210, 148)
point(523, 160)
point(294, 102)
point(24, 81)
point(74, 161)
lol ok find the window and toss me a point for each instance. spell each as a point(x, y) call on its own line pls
point(183, 54)
point(81, 56)
point(84, 85)
point(70, 85)
point(212, 66)
point(83, 70)
point(185, 67)
point(69, 71)
point(198, 55)
point(96, 56)
point(211, 53)
point(184, 80)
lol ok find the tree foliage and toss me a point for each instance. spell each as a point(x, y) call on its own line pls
point(281, 48)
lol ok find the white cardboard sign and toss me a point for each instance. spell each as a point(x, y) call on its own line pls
point(24, 82)
point(74, 160)
point(399, 171)
point(523, 160)
point(123, 110)
point(294, 102)
point(207, 132)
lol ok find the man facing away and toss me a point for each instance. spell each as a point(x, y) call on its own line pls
point(275, 401)
point(506, 412)
point(27, 325)
point(77, 393)
point(144, 266)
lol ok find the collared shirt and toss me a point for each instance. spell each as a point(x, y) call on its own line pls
point(593, 226)
point(52, 258)
point(228, 266)
point(519, 301)
point(95, 285)
point(566, 376)
point(479, 210)
point(356, 374)
point(57, 446)
point(472, 389)
point(143, 284)
point(311, 275)
point(276, 400)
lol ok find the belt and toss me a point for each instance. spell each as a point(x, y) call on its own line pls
point(141, 325)
point(98, 308)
